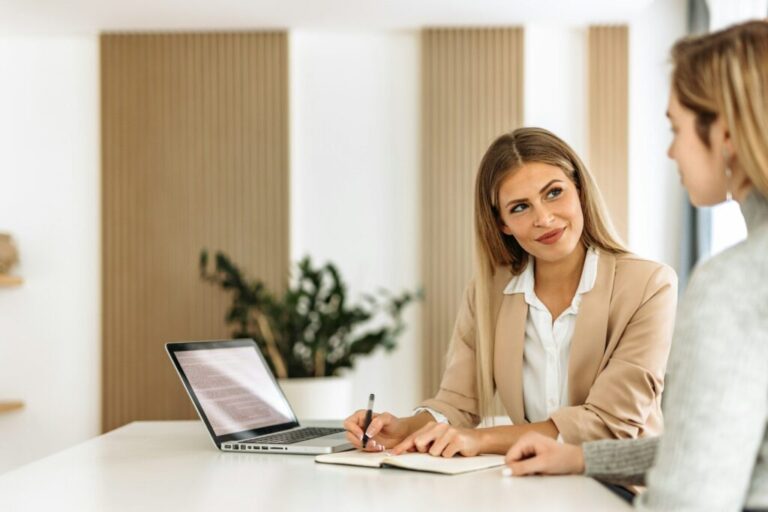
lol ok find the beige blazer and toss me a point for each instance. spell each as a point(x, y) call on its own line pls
point(618, 354)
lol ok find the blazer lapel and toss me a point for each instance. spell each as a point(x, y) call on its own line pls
point(589, 336)
point(508, 357)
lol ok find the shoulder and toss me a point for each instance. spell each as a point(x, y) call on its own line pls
point(495, 286)
point(724, 311)
point(637, 275)
point(738, 272)
point(739, 265)
point(501, 278)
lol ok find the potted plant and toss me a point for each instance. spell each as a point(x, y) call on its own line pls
point(310, 333)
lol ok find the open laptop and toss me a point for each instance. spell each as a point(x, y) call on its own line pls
point(238, 399)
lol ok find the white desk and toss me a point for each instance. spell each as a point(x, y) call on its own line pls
point(173, 466)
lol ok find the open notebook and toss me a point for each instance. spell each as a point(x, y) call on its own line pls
point(414, 461)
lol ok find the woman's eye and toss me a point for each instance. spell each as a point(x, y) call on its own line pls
point(518, 208)
point(554, 192)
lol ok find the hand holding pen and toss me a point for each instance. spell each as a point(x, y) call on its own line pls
point(379, 431)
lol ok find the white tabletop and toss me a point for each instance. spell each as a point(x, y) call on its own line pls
point(173, 466)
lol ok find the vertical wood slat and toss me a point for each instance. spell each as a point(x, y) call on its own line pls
point(472, 92)
point(608, 84)
point(194, 154)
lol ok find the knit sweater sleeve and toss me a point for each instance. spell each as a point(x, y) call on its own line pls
point(623, 462)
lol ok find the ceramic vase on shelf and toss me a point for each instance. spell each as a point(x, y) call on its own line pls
point(319, 398)
point(9, 256)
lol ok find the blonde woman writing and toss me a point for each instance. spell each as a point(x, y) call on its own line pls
point(714, 452)
point(569, 329)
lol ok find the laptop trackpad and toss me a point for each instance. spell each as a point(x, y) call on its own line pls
point(341, 437)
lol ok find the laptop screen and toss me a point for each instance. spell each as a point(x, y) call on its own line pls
point(232, 386)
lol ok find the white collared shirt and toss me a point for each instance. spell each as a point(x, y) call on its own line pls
point(547, 343)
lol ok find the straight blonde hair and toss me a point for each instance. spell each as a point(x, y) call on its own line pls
point(493, 249)
point(725, 73)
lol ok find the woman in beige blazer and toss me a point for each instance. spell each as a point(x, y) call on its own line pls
point(568, 328)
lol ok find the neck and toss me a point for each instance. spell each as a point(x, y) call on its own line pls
point(741, 185)
point(561, 273)
point(754, 208)
point(741, 192)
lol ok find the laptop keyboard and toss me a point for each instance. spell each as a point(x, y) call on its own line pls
point(295, 436)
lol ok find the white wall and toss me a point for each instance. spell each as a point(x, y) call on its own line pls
point(656, 197)
point(49, 202)
point(355, 115)
point(556, 81)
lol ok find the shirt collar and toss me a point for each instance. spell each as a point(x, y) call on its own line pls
point(525, 281)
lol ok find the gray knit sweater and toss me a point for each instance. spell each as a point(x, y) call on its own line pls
point(714, 451)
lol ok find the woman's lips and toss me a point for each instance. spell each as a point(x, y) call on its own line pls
point(551, 237)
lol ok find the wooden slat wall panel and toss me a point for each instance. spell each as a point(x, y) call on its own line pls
point(194, 154)
point(608, 83)
point(472, 92)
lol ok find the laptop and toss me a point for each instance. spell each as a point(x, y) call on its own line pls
point(238, 399)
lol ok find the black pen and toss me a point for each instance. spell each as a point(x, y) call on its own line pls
point(368, 416)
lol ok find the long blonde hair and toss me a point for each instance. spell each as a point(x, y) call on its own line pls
point(494, 249)
point(725, 73)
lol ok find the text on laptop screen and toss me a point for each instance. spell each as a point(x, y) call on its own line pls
point(235, 389)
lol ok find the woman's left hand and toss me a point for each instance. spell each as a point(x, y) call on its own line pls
point(441, 440)
point(535, 454)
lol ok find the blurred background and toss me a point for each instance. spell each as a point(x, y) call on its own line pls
point(135, 134)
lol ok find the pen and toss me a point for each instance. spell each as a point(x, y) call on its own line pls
point(368, 415)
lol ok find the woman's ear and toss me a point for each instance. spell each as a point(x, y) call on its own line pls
point(728, 143)
point(720, 135)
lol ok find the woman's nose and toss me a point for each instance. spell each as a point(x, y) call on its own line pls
point(543, 217)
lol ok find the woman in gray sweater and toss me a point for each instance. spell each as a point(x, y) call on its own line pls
point(714, 451)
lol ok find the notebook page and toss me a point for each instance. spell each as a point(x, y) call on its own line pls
point(354, 458)
point(414, 461)
point(452, 466)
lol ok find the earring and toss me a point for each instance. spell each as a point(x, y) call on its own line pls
point(728, 174)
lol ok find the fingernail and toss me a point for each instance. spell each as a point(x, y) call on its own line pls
point(507, 472)
point(361, 438)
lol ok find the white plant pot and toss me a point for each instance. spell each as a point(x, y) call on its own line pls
point(319, 398)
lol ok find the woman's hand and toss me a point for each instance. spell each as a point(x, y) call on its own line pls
point(535, 454)
point(441, 440)
point(385, 431)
